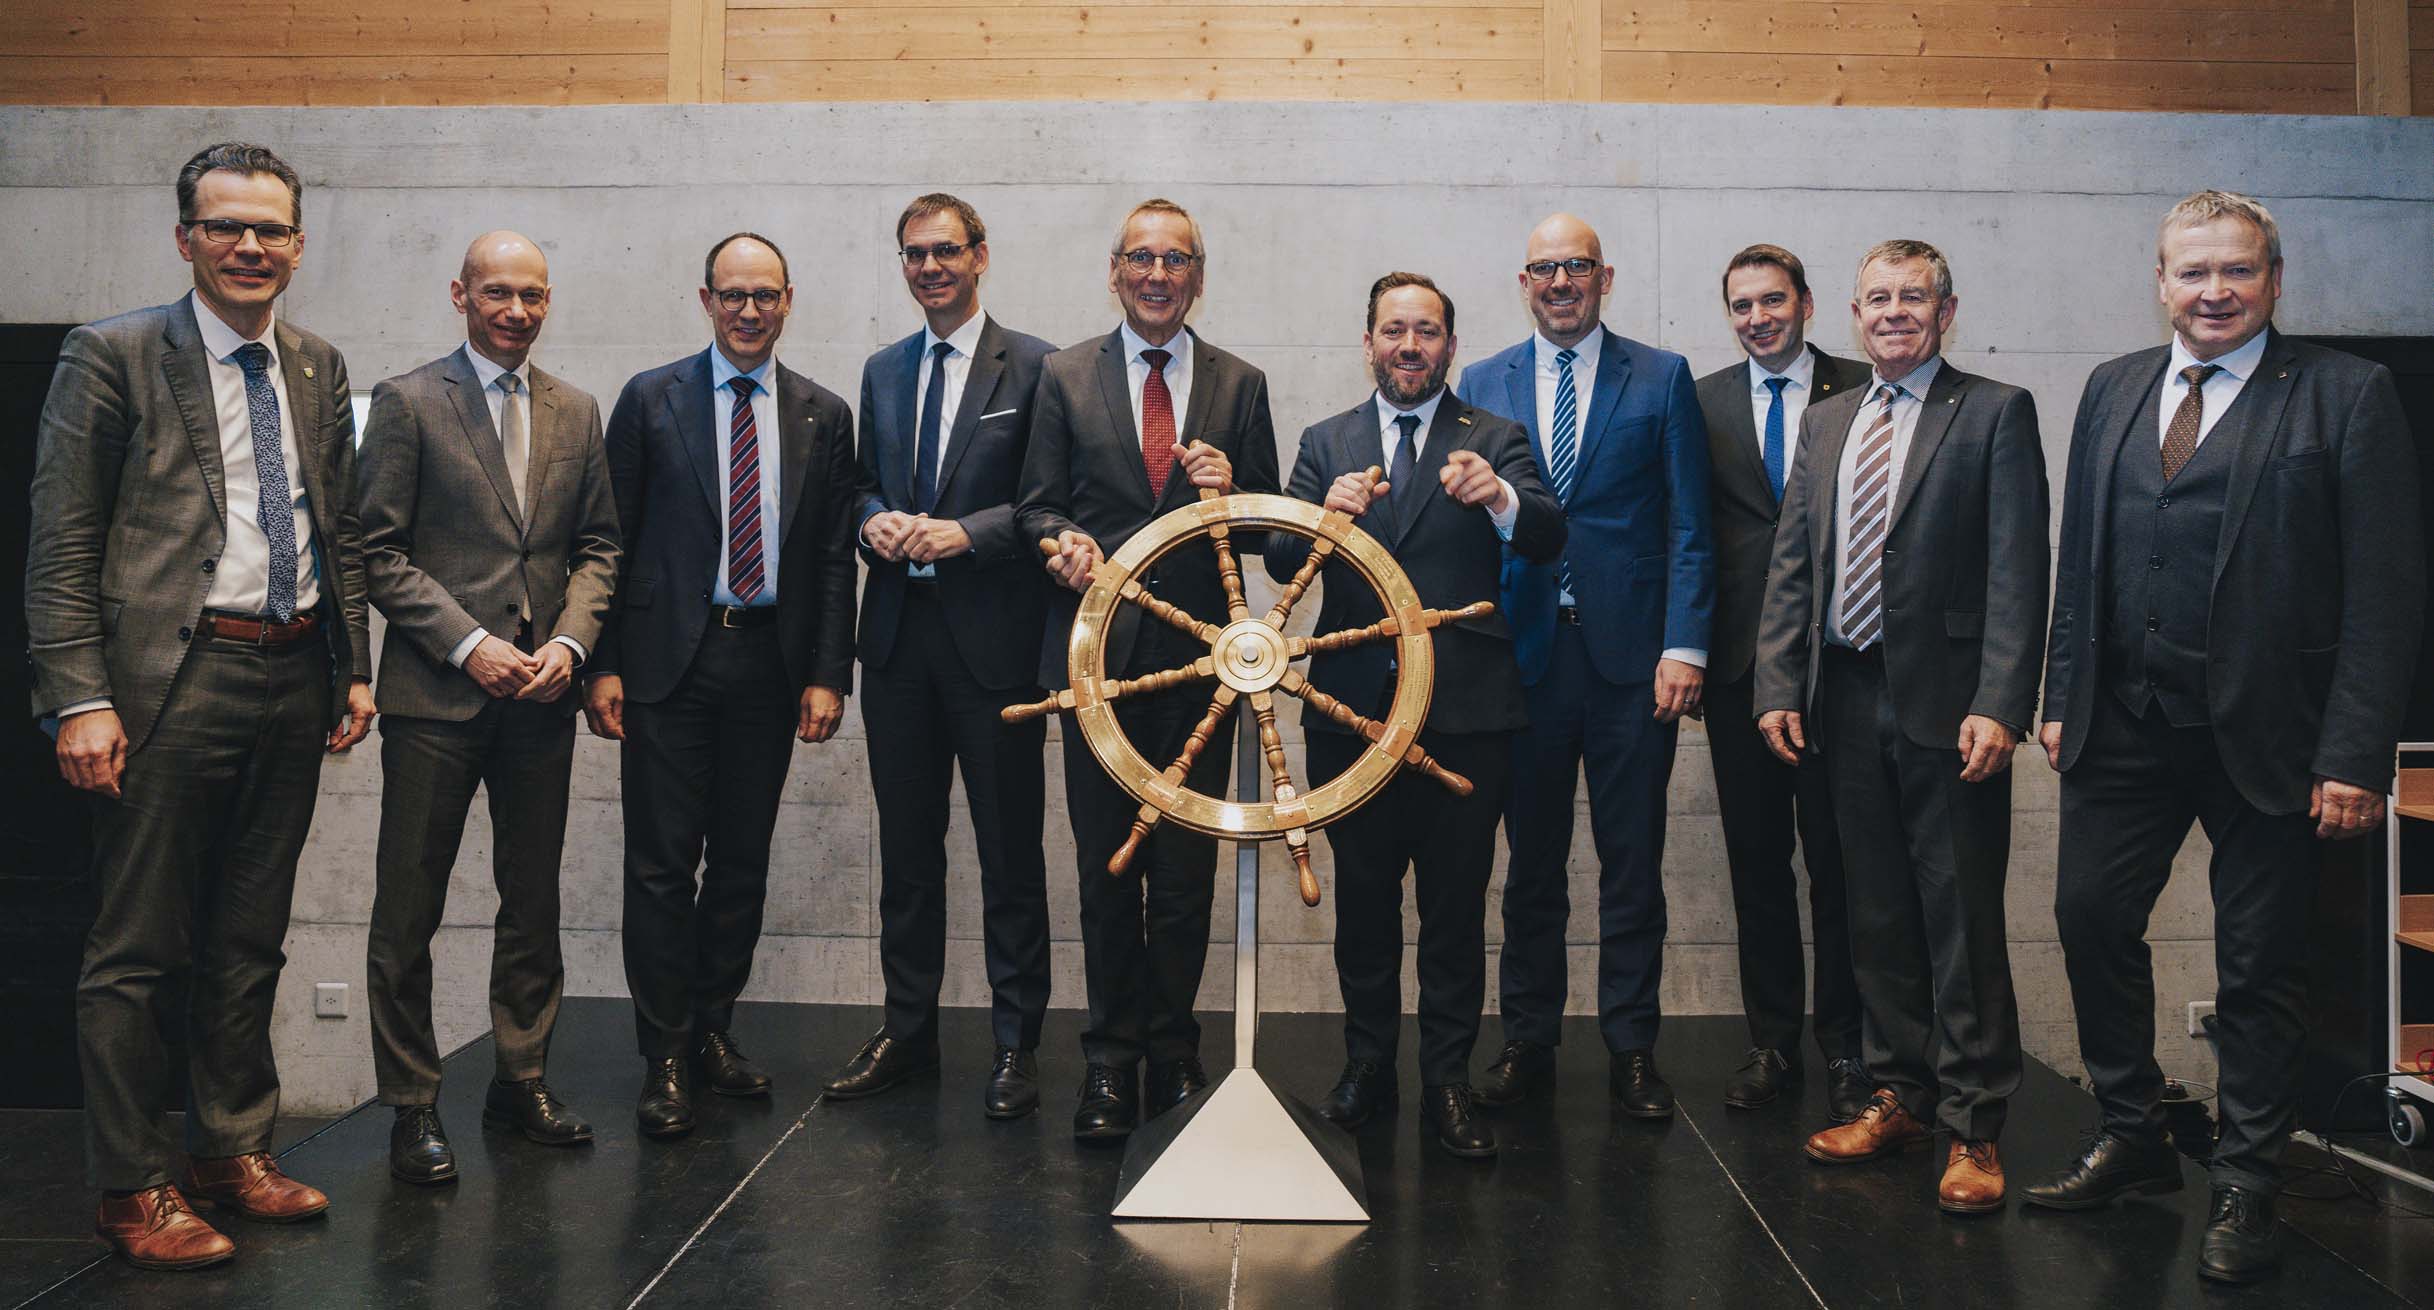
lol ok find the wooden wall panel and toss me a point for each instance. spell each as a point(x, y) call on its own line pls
point(1980, 83)
point(2421, 58)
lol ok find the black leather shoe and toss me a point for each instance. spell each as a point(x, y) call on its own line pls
point(1110, 1104)
point(666, 1107)
point(1171, 1083)
point(1848, 1088)
point(418, 1147)
point(2242, 1243)
point(1014, 1085)
point(527, 1107)
point(2111, 1166)
point(1632, 1079)
point(882, 1063)
point(1362, 1094)
point(1762, 1077)
point(1452, 1113)
point(1516, 1069)
point(729, 1072)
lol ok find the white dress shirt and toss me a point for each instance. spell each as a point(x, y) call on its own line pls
point(2221, 389)
point(1426, 412)
point(1796, 393)
point(960, 344)
point(1178, 374)
point(1585, 354)
point(765, 424)
point(240, 584)
point(488, 371)
point(1908, 403)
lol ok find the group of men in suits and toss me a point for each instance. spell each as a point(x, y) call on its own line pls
point(1841, 566)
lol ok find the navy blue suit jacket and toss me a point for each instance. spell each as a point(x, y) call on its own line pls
point(1642, 559)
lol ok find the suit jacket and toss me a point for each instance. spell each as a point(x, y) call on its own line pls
point(996, 598)
point(1451, 554)
point(1084, 473)
point(664, 466)
point(447, 547)
point(2319, 578)
point(131, 515)
point(1964, 563)
point(1640, 553)
point(1742, 507)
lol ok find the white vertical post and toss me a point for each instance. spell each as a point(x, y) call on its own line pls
point(1246, 893)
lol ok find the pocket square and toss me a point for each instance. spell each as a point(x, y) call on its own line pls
point(998, 414)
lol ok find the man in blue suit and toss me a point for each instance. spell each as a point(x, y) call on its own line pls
point(1612, 641)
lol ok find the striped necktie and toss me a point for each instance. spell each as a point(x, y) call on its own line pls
point(746, 571)
point(1563, 448)
point(1863, 557)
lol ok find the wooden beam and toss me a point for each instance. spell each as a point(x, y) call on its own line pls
point(697, 51)
point(2383, 57)
point(1574, 34)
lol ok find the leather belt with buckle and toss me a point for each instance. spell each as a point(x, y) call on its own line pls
point(744, 616)
point(1568, 614)
point(260, 632)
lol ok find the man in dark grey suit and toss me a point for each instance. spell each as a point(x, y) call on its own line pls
point(194, 599)
point(1460, 485)
point(1124, 428)
point(1753, 411)
point(951, 620)
point(490, 543)
point(1901, 640)
point(2238, 608)
point(731, 638)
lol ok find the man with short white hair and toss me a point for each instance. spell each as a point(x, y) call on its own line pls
point(2237, 612)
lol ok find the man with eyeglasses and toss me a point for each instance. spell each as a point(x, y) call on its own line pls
point(1901, 642)
point(951, 620)
point(1125, 428)
point(194, 596)
point(730, 638)
point(1612, 641)
point(490, 544)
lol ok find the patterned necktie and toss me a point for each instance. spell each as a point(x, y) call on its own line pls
point(1774, 437)
point(2180, 438)
point(1563, 448)
point(925, 451)
point(745, 573)
point(1406, 454)
point(276, 510)
point(1157, 424)
point(512, 435)
point(1863, 558)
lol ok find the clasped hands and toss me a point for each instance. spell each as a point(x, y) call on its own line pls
point(898, 537)
point(507, 673)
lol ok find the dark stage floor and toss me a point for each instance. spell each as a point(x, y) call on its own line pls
point(913, 1199)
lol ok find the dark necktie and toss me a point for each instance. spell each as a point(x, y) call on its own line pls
point(925, 452)
point(1863, 556)
point(2180, 438)
point(1774, 436)
point(1563, 449)
point(745, 571)
point(1400, 494)
point(276, 510)
point(1157, 424)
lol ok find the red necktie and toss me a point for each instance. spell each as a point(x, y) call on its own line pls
point(1157, 424)
point(745, 571)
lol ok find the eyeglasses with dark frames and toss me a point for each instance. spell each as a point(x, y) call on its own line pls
point(228, 231)
point(945, 252)
point(1543, 270)
point(731, 298)
point(1139, 262)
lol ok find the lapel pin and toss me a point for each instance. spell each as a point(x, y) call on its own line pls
point(1952, 400)
point(2283, 374)
point(308, 370)
point(1463, 419)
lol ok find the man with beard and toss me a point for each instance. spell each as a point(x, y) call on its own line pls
point(1460, 485)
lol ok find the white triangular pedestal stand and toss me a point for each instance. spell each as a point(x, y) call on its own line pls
point(1240, 1149)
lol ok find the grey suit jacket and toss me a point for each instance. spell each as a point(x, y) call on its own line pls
point(2319, 575)
point(446, 547)
point(130, 510)
point(1964, 568)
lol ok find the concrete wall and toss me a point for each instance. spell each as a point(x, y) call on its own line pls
point(2048, 220)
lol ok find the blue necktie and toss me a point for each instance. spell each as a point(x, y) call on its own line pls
point(1774, 437)
point(925, 450)
point(1563, 447)
point(276, 510)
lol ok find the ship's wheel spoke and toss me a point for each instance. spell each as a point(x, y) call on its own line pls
point(1280, 781)
point(1295, 684)
point(1175, 774)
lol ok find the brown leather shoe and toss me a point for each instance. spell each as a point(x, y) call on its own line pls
point(1881, 1129)
point(1973, 1178)
point(252, 1185)
point(154, 1229)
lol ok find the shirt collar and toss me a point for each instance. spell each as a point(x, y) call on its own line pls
point(1801, 371)
point(1178, 345)
point(1585, 351)
point(1913, 384)
point(488, 371)
point(723, 368)
point(2240, 363)
point(220, 340)
point(1426, 410)
point(965, 339)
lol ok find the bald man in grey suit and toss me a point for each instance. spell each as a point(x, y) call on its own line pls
point(490, 543)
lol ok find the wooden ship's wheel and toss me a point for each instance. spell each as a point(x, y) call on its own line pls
point(1250, 657)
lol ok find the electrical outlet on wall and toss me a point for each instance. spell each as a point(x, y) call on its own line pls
point(329, 1000)
point(2198, 1013)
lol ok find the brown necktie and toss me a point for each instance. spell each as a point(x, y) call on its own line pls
point(1157, 424)
point(2180, 439)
